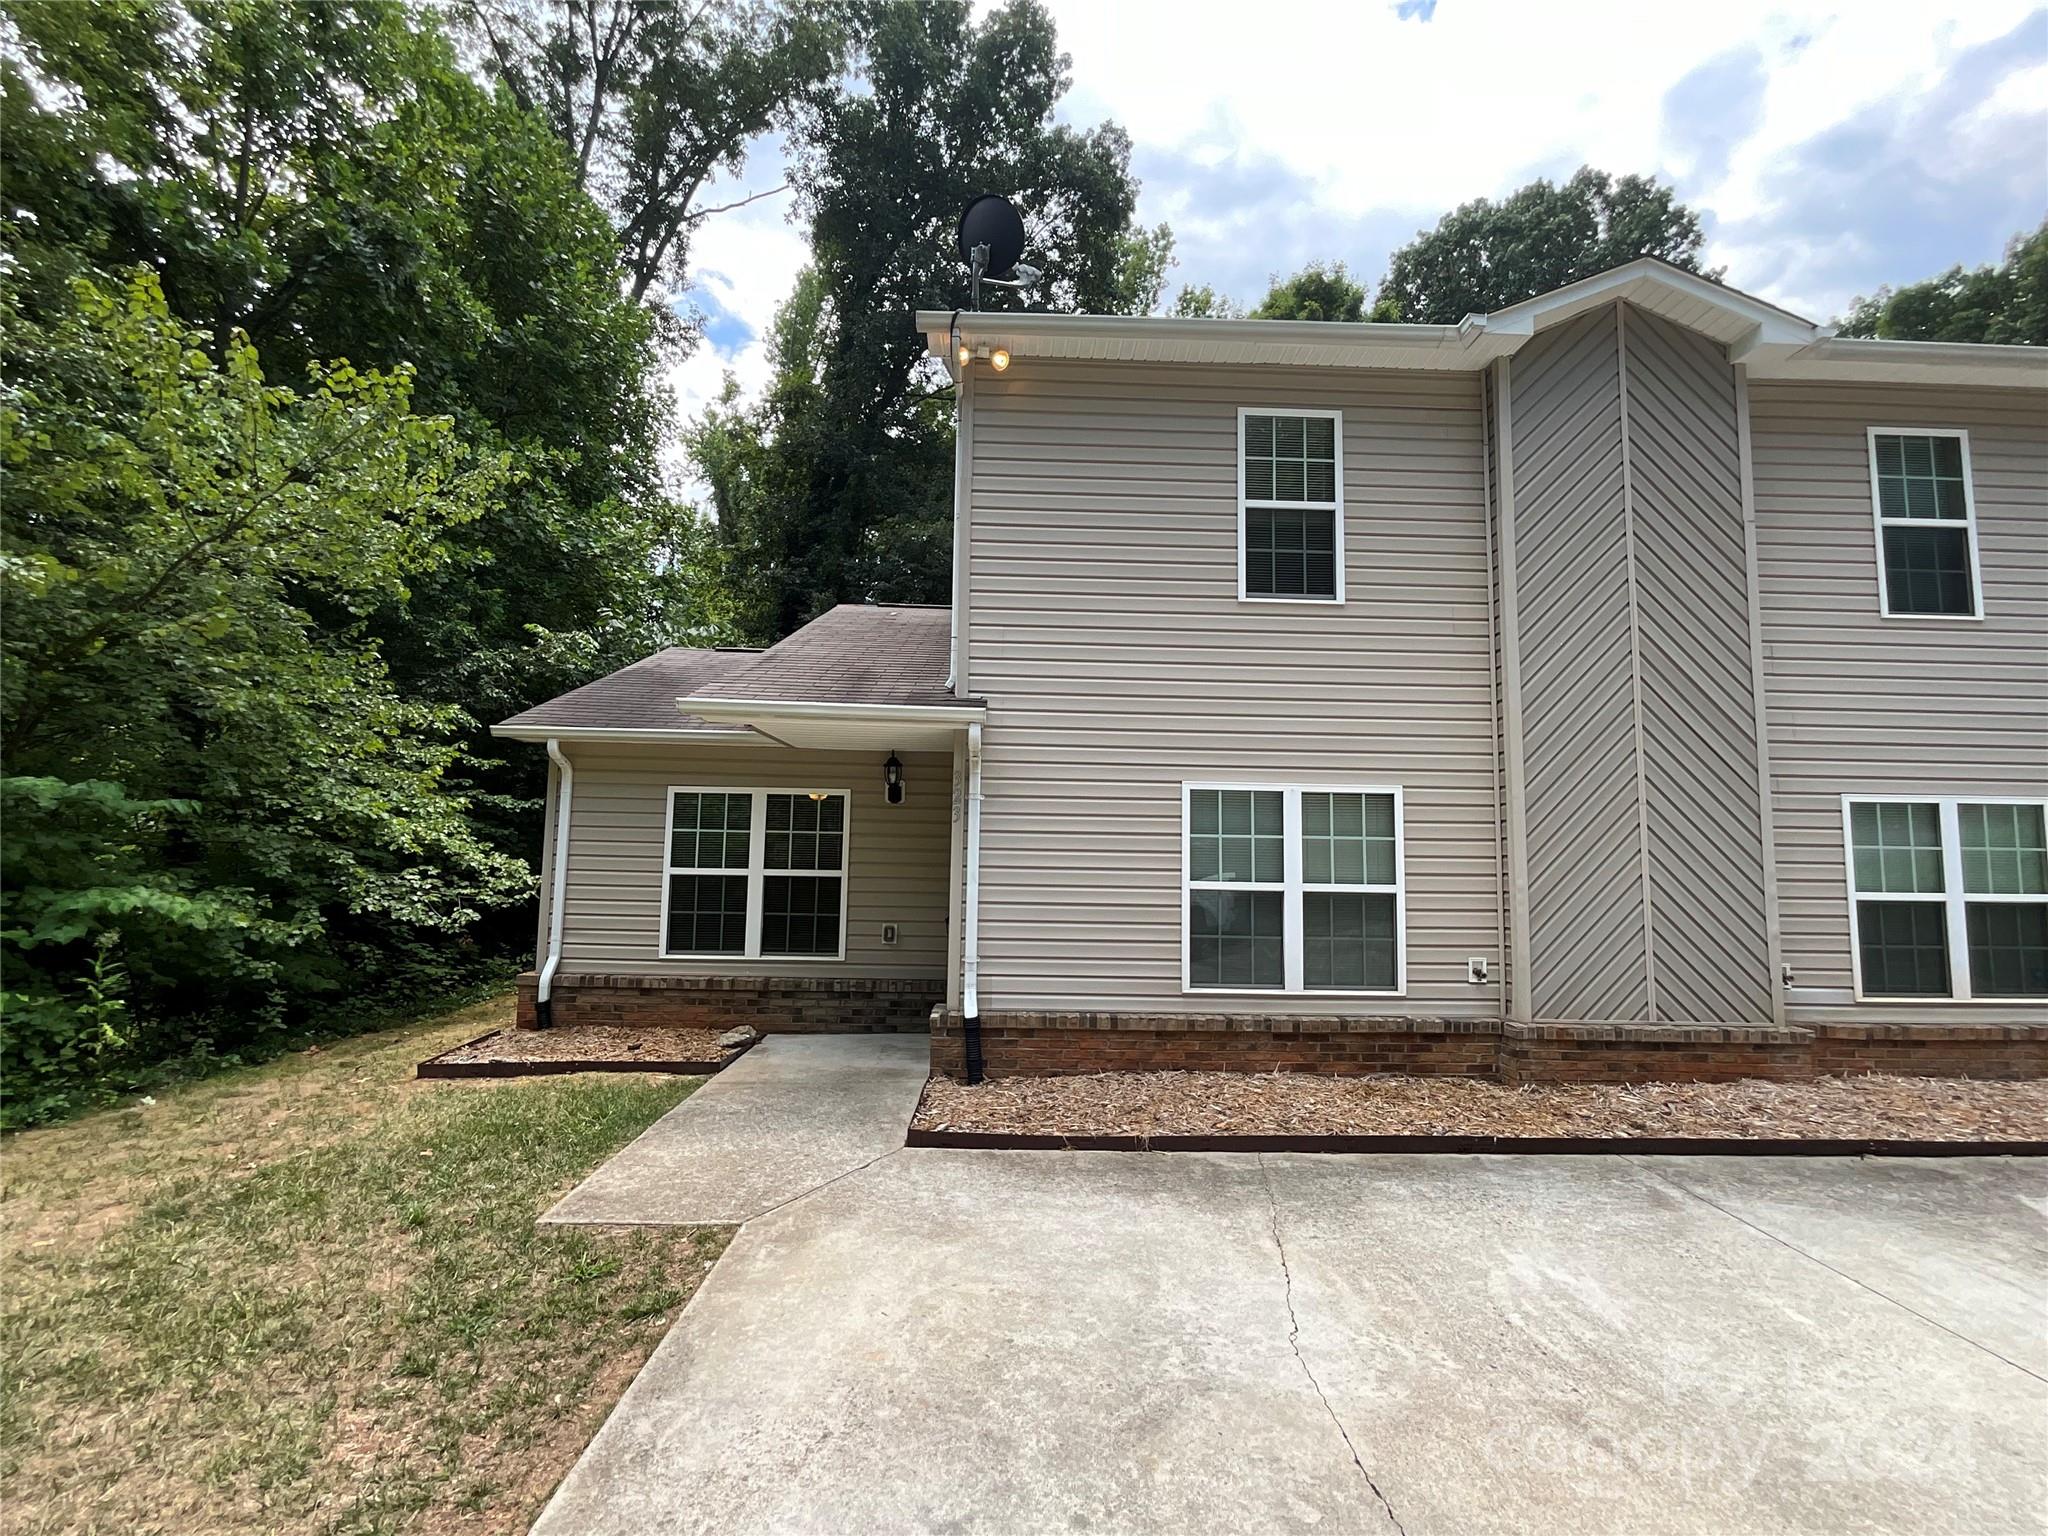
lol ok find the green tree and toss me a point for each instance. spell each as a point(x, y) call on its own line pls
point(326, 180)
point(1319, 291)
point(2006, 303)
point(1199, 301)
point(1486, 255)
point(837, 484)
point(218, 805)
point(654, 98)
point(1142, 264)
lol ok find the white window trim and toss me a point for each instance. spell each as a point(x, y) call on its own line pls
point(756, 870)
point(1953, 898)
point(1880, 522)
point(1336, 418)
point(1291, 887)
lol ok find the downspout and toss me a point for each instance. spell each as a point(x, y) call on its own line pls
point(955, 683)
point(970, 938)
point(543, 1007)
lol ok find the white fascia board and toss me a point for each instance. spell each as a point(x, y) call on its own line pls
point(801, 709)
point(1852, 359)
point(618, 734)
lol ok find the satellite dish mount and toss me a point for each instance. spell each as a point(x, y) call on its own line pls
point(991, 238)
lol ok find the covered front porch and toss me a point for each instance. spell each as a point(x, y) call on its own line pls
point(773, 839)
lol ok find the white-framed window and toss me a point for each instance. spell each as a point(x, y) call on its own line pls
point(1926, 512)
point(1290, 505)
point(755, 873)
point(1293, 888)
point(1948, 896)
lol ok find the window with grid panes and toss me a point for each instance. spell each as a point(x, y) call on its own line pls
point(1924, 511)
point(1923, 871)
point(1293, 889)
point(755, 873)
point(1292, 514)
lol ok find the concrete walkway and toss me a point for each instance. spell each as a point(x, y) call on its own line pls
point(790, 1116)
point(1109, 1342)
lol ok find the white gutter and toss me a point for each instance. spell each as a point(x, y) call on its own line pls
point(970, 938)
point(802, 709)
point(554, 956)
point(620, 735)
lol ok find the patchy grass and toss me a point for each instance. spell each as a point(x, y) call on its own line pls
point(310, 1296)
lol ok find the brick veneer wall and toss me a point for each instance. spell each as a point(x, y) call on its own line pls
point(772, 1004)
point(1932, 1050)
point(1025, 1044)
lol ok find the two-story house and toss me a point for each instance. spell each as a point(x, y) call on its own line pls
point(1637, 681)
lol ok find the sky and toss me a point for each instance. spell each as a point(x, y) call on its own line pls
point(1828, 148)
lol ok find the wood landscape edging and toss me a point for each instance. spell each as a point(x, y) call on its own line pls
point(1566, 1146)
point(440, 1067)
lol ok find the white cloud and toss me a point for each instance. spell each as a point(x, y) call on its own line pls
point(1338, 129)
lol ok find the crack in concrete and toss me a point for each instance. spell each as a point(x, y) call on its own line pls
point(1294, 1343)
point(805, 1194)
point(1736, 1216)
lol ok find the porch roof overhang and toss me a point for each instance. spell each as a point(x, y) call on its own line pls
point(816, 725)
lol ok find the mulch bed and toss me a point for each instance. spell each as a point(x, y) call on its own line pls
point(583, 1048)
point(1224, 1109)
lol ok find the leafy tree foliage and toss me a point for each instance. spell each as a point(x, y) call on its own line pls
point(653, 98)
point(2006, 303)
point(1145, 259)
point(838, 484)
point(218, 805)
point(1199, 301)
point(1485, 255)
point(327, 181)
point(1319, 291)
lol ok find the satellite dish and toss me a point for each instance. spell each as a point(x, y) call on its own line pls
point(993, 222)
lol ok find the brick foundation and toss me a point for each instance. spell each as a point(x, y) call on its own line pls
point(1945, 1050)
point(772, 1004)
point(1027, 1044)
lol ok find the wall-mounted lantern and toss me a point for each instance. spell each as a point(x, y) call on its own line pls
point(892, 779)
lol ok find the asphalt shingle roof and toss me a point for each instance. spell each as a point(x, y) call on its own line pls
point(857, 653)
point(641, 697)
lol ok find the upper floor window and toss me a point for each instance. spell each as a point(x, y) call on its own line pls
point(1926, 523)
point(1290, 517)
point(1949, 898)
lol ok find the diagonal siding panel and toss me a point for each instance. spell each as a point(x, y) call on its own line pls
point(1587, 933)
point(1705, 833)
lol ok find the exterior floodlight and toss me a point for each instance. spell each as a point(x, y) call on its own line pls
point(999, 359)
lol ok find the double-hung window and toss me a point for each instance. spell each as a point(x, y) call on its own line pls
point(1290, 517)
point(1292, 889)
point(1948, 897)
point(755, 873)
point(1926, 523)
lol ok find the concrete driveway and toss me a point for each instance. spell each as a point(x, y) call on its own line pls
point(946, 1341)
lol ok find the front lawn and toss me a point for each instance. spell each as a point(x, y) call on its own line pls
point(310, 1296)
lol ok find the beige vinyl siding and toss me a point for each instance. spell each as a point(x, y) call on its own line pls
point(1638, 706)
point(1106, 633)
point(1861, 704)
point(896, 870)
point(1705, 820)
point(1574, 620)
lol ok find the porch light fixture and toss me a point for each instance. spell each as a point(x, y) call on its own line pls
point(819, 794)
point(892, 779)
point(999, 359)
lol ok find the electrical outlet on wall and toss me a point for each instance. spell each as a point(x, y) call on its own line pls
point(1476, 969)
point(888, 933)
